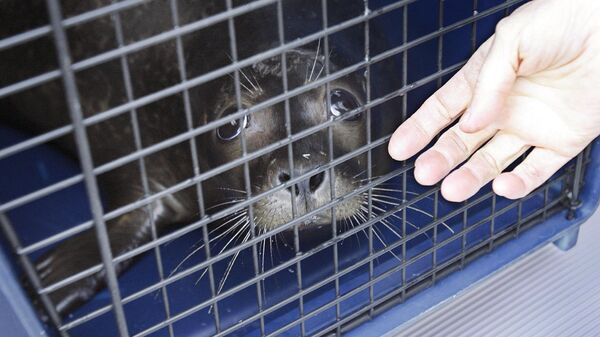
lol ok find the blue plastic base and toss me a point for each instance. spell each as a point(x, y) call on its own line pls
point(568, 240)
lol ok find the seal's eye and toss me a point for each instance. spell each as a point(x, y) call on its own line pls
point(342, 102)
point(232, 129)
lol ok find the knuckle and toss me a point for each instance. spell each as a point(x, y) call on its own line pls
point(442, 108)
point(532, 173)
point(490, 162)
point(503, 27)
point(457, 142)
point(418, 126)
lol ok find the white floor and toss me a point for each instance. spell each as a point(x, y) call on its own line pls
point(550, 293)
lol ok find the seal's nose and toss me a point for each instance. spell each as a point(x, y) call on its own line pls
point(307, 186)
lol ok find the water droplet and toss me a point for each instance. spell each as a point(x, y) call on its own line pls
point(475, 12)
point(291, 270)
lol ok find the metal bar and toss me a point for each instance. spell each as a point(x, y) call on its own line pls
point(465, 221)
point(574, 202)
point(223, 168)
point(474, 27)
point(85, 158)
point(331, 155)
point(195, 161)
point(142, 44)
point(224, 255)
point(367, 52)
point(493, 221)
point(36, 33)
point(325, 246)
point(440, 47)
point(290, 150)
point(362, 287)
point(304, 292)
point(101, 116)
point(171, 236)
point(141, 162)
point(246, 168)
point(404, 118)
point(211, 126)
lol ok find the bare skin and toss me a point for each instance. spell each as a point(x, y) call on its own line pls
point(534, 84)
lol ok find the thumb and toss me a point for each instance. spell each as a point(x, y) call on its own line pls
point(495, 81)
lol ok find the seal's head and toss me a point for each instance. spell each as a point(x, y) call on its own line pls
point(339, 99)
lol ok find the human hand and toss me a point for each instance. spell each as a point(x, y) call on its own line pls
point(534, 83)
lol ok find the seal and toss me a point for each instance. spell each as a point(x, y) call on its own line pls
point(154, 68)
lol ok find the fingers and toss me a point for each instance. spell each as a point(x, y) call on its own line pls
point(485, 165)
point(538, 167)
point(438, 111)
point(497, 76)
point(453, 147)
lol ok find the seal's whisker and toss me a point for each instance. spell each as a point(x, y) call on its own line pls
point(356, 236)
point(389, 226)
point(276, 245)
point(197, 249)
point(228, 202)
point(399, 218)
point(230, 265)
point(381, 210)
point(378, 188)
point(245, 225)
point(258, 83)
point(233, 218)
point(320, 72)
point(361, 172)
point(378, 235)
point(241, 84)
point(232, 189)
point(385, 222)
point(271, 239)
point(362, 181)
point(351, 224)
point(262, 243)
point(242, 72)
point(358, 222)
point(229, 230)
point(416, 209)
point(249, 81)
point(314, 63)
point(231, 262)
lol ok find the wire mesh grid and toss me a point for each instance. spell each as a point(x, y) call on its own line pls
point(332, 275)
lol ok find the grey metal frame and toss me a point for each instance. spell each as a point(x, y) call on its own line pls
point(56, 28)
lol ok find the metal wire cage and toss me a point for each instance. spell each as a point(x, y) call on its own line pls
point(222, 271)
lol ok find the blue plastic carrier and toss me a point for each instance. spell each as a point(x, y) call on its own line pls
point(378, 291)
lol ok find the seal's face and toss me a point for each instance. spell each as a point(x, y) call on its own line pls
point(265, 127)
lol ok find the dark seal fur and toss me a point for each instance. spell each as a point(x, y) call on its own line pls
point(102, 87)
